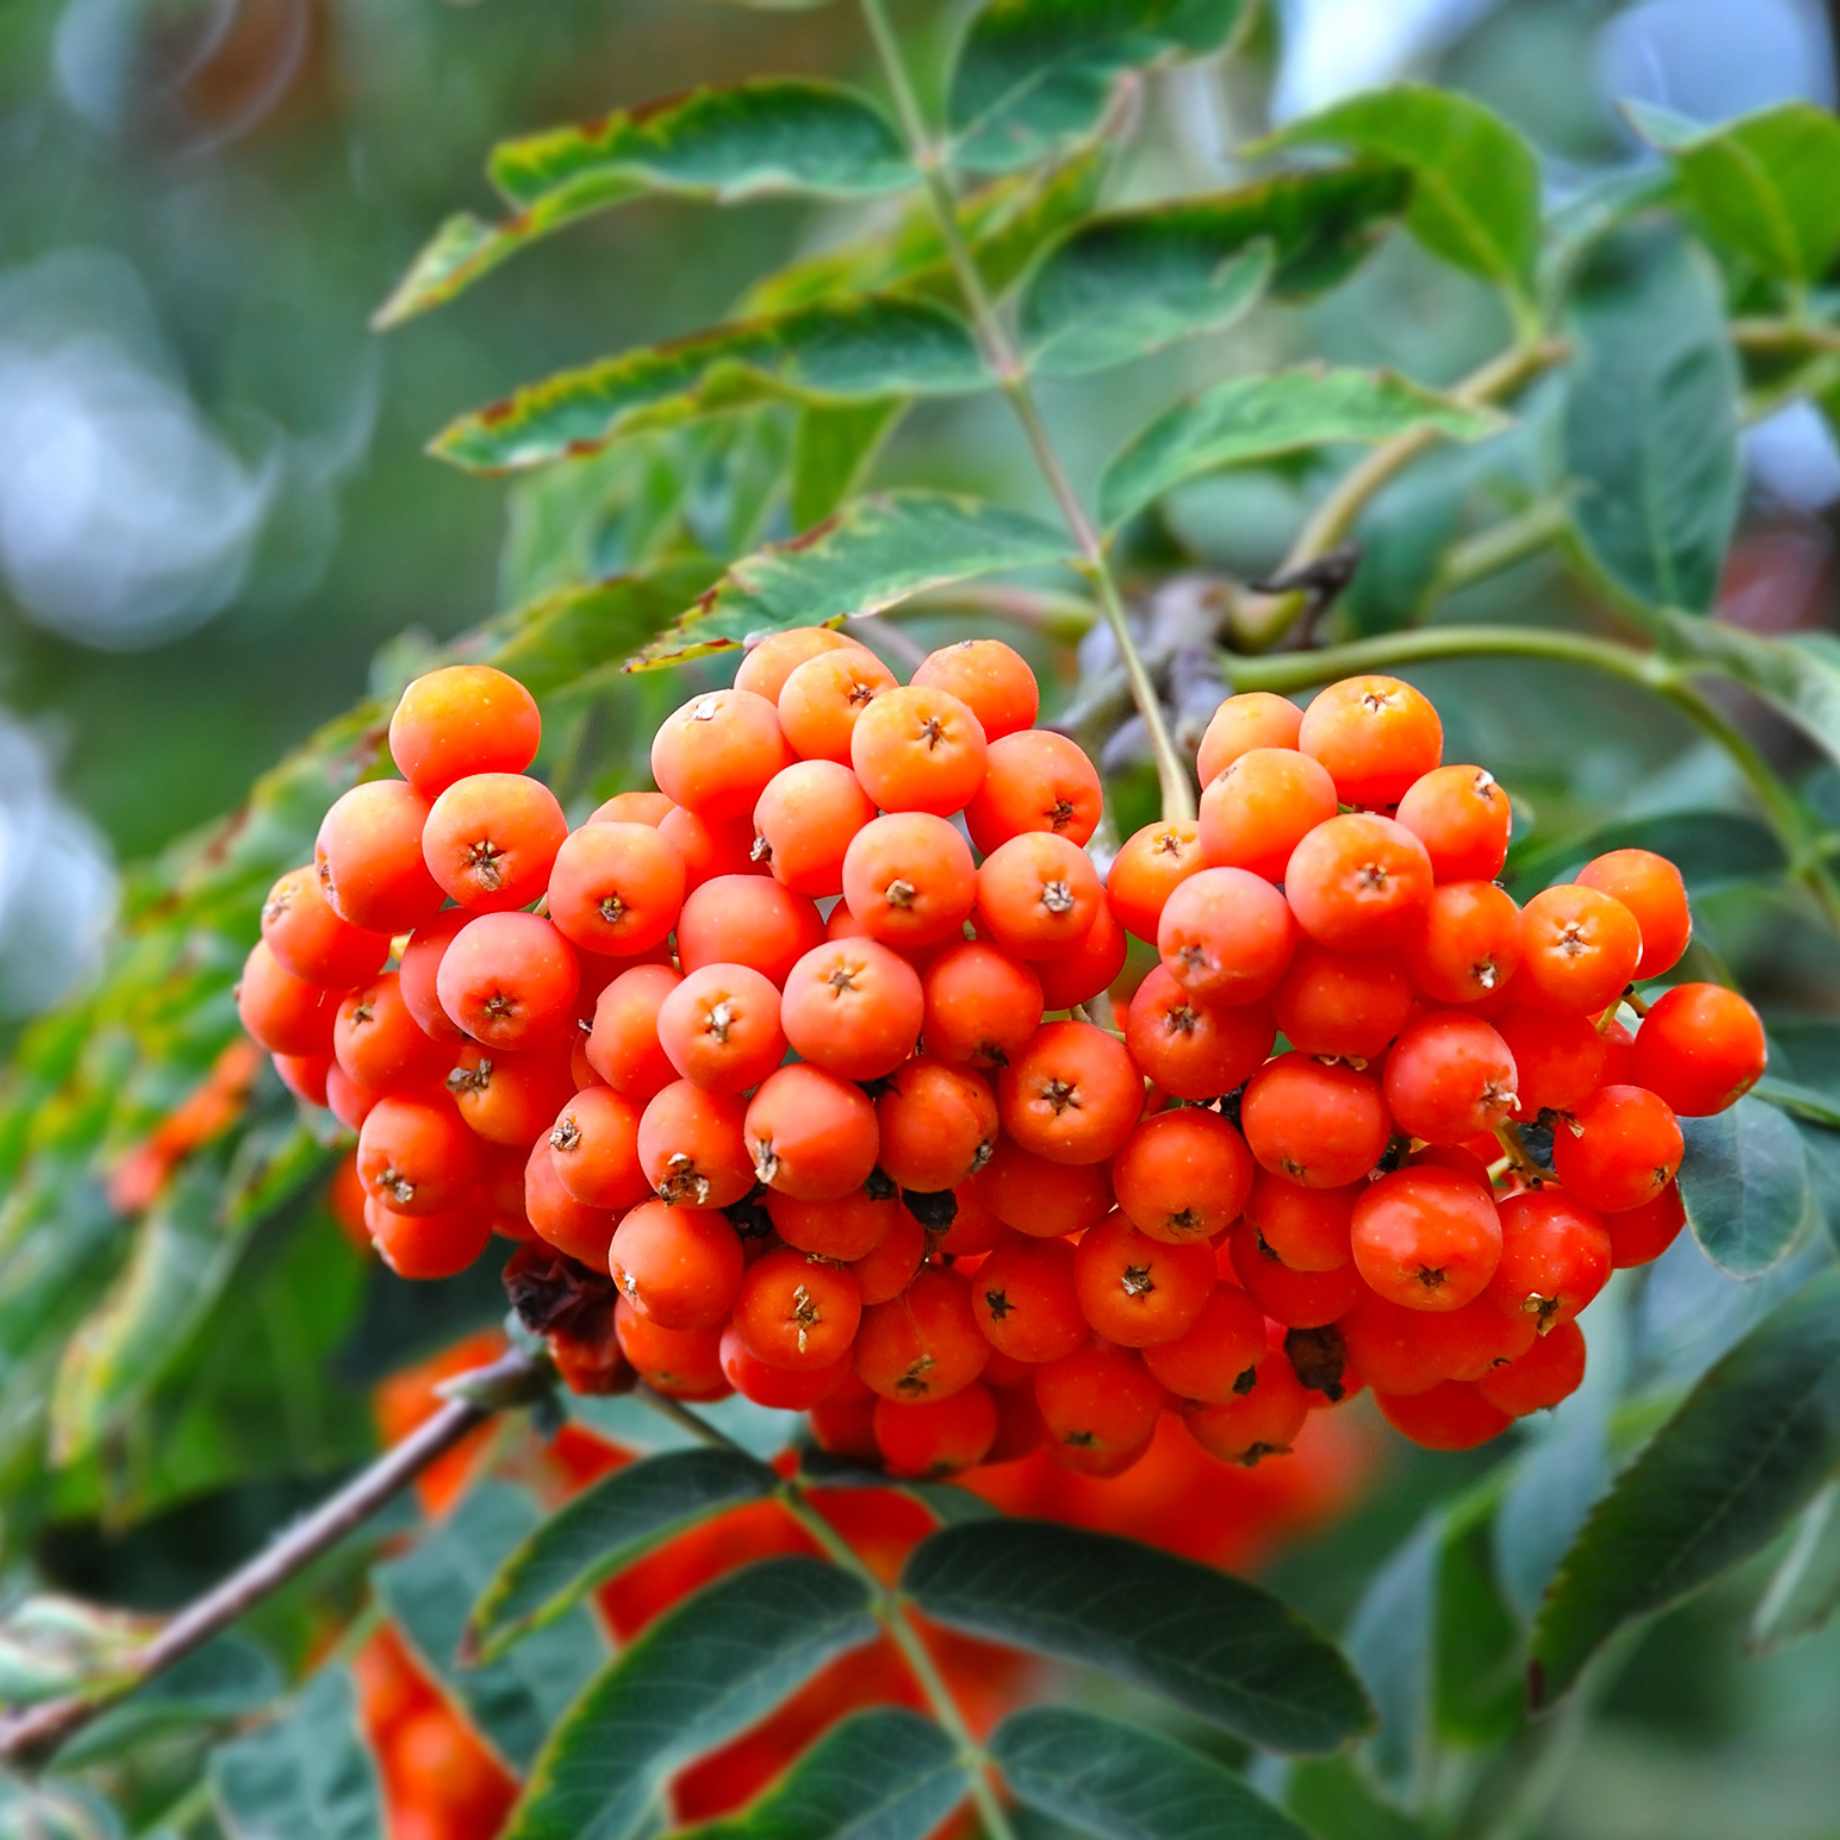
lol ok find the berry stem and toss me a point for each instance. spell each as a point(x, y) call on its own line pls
point(1672, 681)
point(30, 1737)
point(891, 1610)
point(1012, 375)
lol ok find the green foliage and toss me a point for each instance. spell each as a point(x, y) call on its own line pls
point(1746, 1186)
point(308, 1773)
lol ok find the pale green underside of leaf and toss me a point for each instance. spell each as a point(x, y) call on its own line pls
point(1742, 1456)
point(1799, 673)
point(1746, 1186)
point(876, 552)
point(308, 1773)
point(1258, 418)
point(770, 135)
point(1762, 185)
point(1034, 74)
point(852, 350)
point(1804, 1591)
point(1475, 185)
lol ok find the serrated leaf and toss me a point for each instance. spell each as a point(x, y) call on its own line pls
point(1216, 1646)
point(1128, 283)
point(1032, 75)
point(1761, 185)
point(1804, 1591)
point(698, 1675)
point(1745, 1185)
point(832, 352)
point(1119, 1782)
point(308, 1773)
point(1650, 430)
point(514, 1700)
point(875, 553)
point(770, 135)
point(1475, 185)
point(224, 1680)
point(882, 1775)
point(1257, 418)
point(604, 1528)
point(1746, 1451)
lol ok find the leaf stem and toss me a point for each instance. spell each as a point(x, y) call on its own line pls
point(1261, 621)
point(1665, 677)
point(1006, 363)
point(1784, 335)
point(890, 1608)
point(32, 1736)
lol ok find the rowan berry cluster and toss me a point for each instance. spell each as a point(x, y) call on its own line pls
point(880, 1164)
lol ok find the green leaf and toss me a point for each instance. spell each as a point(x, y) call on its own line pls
point(51, 1645)
point(708, 1669)
point(833, 448)
point(1477, 1698)
point(1218, 1647)
point(774, 134)
point(226, 1679)
point(602, 1529)
point(308, 1773)
point(1126, 284)
point(1651, 427)
point(1709, 847)
point(1390, 1643)
point(1032, 75)
point(1118, 1782)
point(514, 1700)
point(1822, 1148)
point(827, 353)
point(48, 1810)
point(1332, 1799)
point(1257, 418)
point(876, 552)
point(1746, 1186)
point(1475, 186)
point(1762, 185)
point(1747, 1450)
point(1804, 1592)
point(1798, 673)
point(882, 1775)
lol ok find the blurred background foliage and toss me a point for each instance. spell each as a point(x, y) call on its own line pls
point(217, 529)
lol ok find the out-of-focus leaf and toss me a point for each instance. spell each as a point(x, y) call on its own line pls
point(876, 552)
point(604, 1528)
point(1218, 1647)
point(50, 1810)
point(51, 1645)
point(1390, 1643)
point(1821, 1145)
point(1576, 227)
point(1709, 847)
point(1761, 185)
point(308, 1773)
point(224, 1680)
point(1032, 75)
point(1255, 418)
point(1124, 285)
point(698, 1675)
point(832, 449)
point(513, 1700)
point(1651, 424)
point(1798, 672)
point(772, 134)
point(882, 1775)
point(1746, 1186)
point(1119, 1782)
point(1332, 1799)
point(1748, 1449)
point(832, 352)
point(1477, 1698)
point(1804, 1592)
point(1475, 187)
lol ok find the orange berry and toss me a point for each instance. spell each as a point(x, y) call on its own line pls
point(311, 942)
point(623, 1045)
point(909, 879)
point(1468, 944)
point(1193, 1049)
point(1100, 1406)
point(594, 1145)
point(811, 1134)
point(1559, 1058)
point(822, 700)
point(1297, 1299)
point(770, 660)
point(797, 1312)
point(1212, 1360)
point(1183, 1175)
point(1253, 719)
point(636, 807)
point(884, 1273)
point(461, 720)
point(1147, 870)
point(1304, 1228)
point(378, 1043)
point(1551, 1370)
point(1035, 781)
point(1041, 1198)
point(1263, 1421)
point(1026, 1301)
point(916, 749)
point(924, 1344)
point(1080, 972)
point(368, 856)
point(693, 1147)
point(418, 972)
point(1426, 1238)
point(746, 920)
point(1323, 1126)
point(1619, 1149)
point(1640, 1234)
point(681, 1363)
point(509, 980)
point(304, 1075)
point(1579, 948)
point(1651, 888)
point(1450, 1416)
point(1449, 1077)
point(1072, 1094)
point(1556, 1256)
point(853, 1007)
point(936, 1437)
point(509, 1098)
point(785, 1391)
point(1037, 894)
point(557, 1217)
point(709, 846)
point(1701, 1047)
point(938, 1125)
point(680, 1267)
point(1359, 883)
point(803, 823)
point(721, 1027)
point(427, 1245)
point(1135, 1290)
point(1341, 1006)
point(1226, 936)
point(491, 840)
point(346, 1100)
point(283, 1013)
point(715, 755)
point(981, 1005)
point(1376, 735)
point(416, 1157)
point(1256, 811)
point(1462, 817)
point(616, 888)
point(991, 679)
point(844, 1227)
